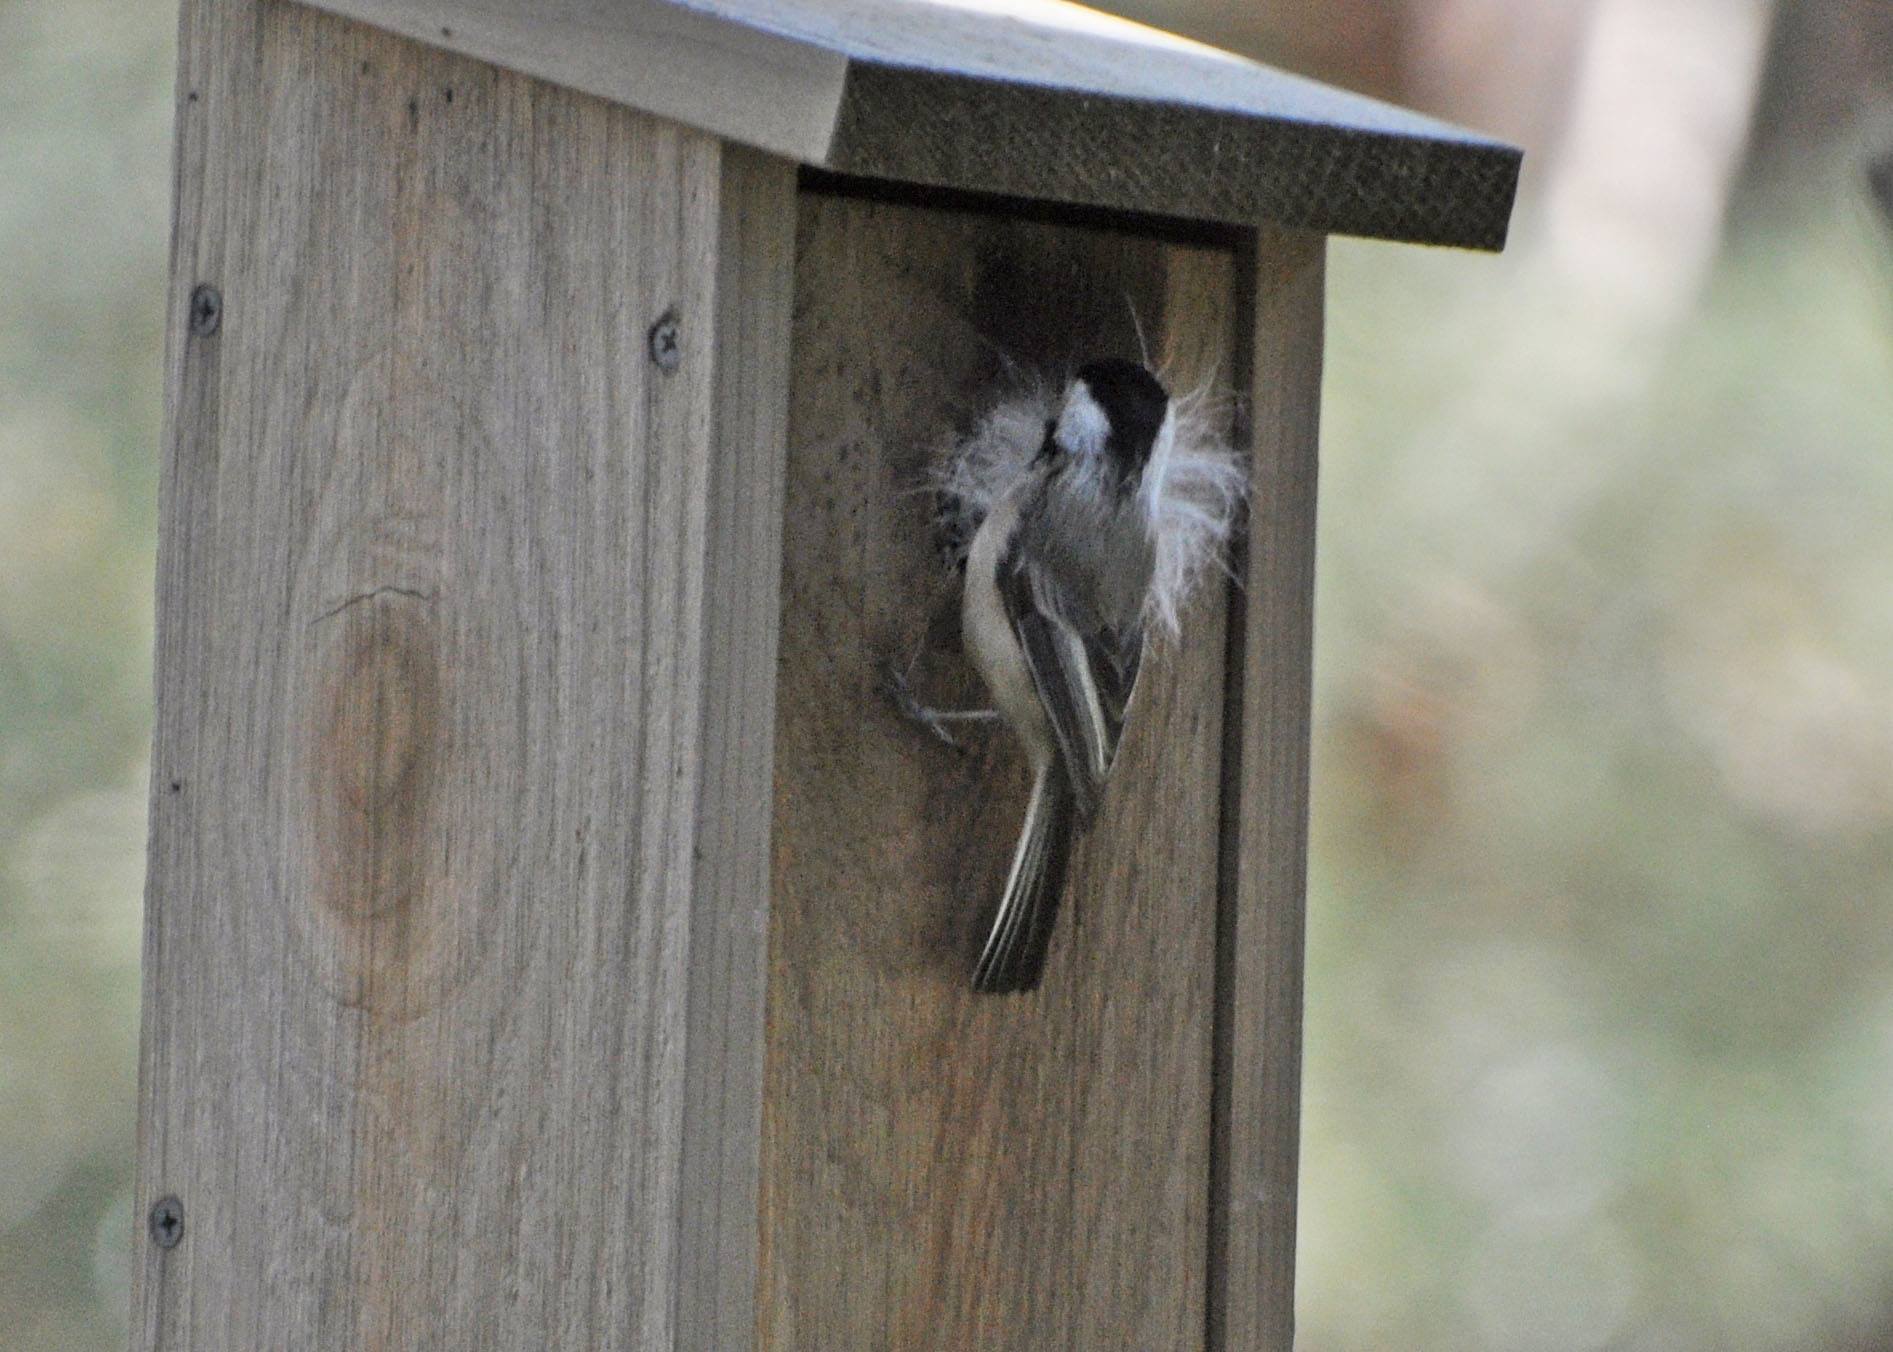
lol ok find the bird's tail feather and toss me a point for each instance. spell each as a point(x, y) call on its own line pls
point(1013, 958)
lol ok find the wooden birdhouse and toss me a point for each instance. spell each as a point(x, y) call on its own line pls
point(554, 940)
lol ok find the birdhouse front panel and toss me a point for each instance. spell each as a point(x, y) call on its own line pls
point(987, 1171)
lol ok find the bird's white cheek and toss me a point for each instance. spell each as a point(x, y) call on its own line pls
point(1083, 426)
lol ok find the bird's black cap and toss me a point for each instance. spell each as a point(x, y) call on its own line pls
point(1135, 401)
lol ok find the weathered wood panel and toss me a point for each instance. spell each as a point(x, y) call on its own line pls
point(1259, 979)
point(742, 563)
point(453, 884)
point(940, 1169)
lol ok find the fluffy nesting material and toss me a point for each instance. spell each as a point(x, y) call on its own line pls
point(1193, 486)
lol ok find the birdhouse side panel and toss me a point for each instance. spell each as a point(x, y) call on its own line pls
point(468, 473)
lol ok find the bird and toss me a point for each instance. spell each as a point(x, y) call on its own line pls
point(1082, 523)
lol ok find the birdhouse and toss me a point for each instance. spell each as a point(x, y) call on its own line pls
point(554, 937)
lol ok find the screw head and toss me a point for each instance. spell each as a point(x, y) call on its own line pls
point(667, 348)
point(206, 310)
point(167, 1222)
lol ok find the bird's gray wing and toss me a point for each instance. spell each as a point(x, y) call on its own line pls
point(1085, 671)
point(1116, 655)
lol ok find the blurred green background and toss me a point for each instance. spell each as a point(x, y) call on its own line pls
point(1600, 1013)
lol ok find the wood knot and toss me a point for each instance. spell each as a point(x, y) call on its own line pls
point(379, 755)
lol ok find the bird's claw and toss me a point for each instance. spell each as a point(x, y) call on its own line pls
point(900, 692)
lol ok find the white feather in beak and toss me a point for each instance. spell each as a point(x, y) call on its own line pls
point(1192, 492)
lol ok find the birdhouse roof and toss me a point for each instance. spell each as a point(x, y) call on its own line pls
point(1037, 99)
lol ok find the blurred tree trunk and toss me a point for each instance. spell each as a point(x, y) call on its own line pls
point(1500, 66)
point(1644, 108)
point(1662, 112)
point(1828, 75)
point(1357, 44)
point(1880, 180)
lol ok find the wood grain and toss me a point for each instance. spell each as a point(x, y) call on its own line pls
point(1038, 99)
point(940, 1169)
point(1260, 939)
point(452, 1002)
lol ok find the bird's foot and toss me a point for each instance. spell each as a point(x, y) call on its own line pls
point(897, 685)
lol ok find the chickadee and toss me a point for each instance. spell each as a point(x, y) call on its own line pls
point(1052, 616)
point(1083, 515)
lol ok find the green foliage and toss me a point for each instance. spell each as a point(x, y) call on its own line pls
point(84, 132)
point(1601, 985)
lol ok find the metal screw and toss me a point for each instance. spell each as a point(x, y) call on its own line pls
point(206, 310)
point(667, 343)
point(167, 1223)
